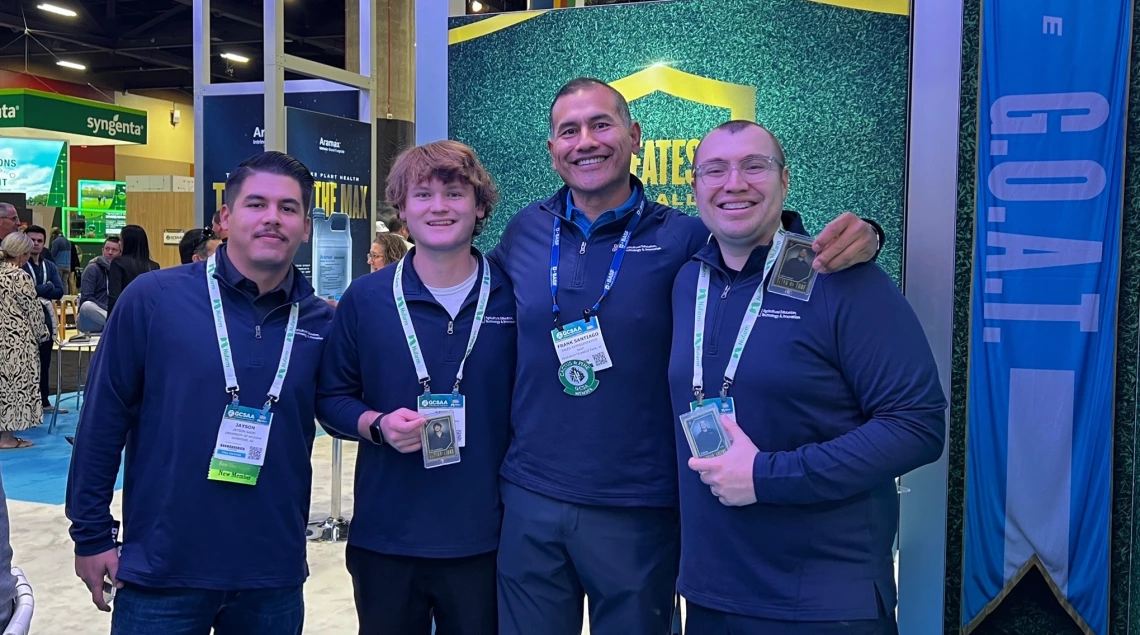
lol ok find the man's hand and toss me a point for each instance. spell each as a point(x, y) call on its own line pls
point(848, 240)
point(92, 569)
point(730, 474)
point(401, 429)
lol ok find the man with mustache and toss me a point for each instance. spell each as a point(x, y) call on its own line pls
point(590, 479)
point(207, 376)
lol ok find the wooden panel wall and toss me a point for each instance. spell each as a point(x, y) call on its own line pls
point(157, 212)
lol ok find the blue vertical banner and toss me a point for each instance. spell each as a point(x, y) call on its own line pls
point(1054, 87)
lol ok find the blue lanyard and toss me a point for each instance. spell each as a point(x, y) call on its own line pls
point(615, 264)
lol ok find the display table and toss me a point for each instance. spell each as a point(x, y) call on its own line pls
point(79, 346)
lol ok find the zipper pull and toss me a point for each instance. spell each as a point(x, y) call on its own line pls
point(725, 294)
point(257, 332)
point(451, 327)
point(583, 249)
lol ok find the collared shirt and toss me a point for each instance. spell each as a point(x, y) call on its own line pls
point(583, 222)
point(263, 303)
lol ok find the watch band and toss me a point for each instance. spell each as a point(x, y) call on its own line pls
point(375, 431)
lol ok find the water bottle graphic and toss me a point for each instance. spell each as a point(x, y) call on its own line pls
point(332, 254)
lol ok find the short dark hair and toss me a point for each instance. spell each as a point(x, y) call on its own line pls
point(272, 162)
point(36, 229)
point(112, 239)
point(736, 125)
point(217, 219)
point(195, 242)
point(396, 224)
point(586, 83)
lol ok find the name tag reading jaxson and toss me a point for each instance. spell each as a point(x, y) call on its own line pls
point(793, 276)
point(582, 340)
point(240, 450)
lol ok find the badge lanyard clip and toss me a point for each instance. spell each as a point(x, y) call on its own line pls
point(611, 277)
point(410, 329)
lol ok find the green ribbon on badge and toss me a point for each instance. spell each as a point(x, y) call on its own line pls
point(577, 376)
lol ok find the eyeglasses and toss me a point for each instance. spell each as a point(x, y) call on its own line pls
point(754, 169)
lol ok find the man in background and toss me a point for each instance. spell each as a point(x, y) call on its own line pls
point(9, 220)
point(95, 289)
point(49, 287)
point(61, 255)
point(399, 227)
point(216, 227)
point(197, 245)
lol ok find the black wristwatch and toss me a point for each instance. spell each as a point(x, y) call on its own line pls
point(375, 431)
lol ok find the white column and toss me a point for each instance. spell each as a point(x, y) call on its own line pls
point(201, 81)
point(274, 60)
point(431, 71)
point(368, 68)
point(928, 275)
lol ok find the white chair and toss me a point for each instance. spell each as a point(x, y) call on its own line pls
point(21, 622)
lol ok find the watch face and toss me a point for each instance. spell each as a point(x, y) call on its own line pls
point(377, 435)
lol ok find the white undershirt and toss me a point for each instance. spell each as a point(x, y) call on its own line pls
point(452, 297)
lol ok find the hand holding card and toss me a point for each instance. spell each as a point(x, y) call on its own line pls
point(729, 475)
point(402, 429)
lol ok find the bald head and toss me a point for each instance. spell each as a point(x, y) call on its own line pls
point(9, 219)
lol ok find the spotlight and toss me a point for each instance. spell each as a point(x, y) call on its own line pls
point(476, 6)
point(66, 64)
point(55, 9)
point(234, 57)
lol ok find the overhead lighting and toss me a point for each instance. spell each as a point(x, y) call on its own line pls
point(476, 6)
point(234, 57)
point(66, 64)
point(51, 8)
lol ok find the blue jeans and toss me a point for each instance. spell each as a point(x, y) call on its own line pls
point(553, 553)
point(143, 611)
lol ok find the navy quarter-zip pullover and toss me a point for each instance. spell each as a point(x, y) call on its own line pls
point(157, 387)
point(402, 508)
point(612, 447)
point(841, 395)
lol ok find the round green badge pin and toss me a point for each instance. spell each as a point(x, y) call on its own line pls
point(578, 378)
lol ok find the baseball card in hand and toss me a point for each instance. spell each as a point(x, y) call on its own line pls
point(438, 438)
point(705, 433)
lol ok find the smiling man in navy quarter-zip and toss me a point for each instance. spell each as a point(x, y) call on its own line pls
point(425, 531)
point(829, 390)
point(590, 485)
point(207, 375)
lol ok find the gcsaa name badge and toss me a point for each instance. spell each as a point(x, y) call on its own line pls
point(577, 377)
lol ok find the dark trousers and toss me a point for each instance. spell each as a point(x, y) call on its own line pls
point(702, 621)
point(401, 595)
point(145, 611)
point(552, 553)
point(45, 372)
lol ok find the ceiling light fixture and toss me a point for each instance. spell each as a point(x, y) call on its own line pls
point(476, 6)
point(234, 57)
point(66, 64)
point(51, 8)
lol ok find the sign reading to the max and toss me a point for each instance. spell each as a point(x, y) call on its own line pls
point(338, 152)
point(235, 131)
point(1046, 269)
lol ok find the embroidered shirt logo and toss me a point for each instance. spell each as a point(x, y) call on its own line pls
point(498, 319)
point(309, 335)
point(779, 314)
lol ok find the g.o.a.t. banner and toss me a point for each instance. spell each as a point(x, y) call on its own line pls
point(1054, 82)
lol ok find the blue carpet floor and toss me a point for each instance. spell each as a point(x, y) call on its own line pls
point(39, 474)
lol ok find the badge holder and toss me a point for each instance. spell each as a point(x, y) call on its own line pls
point(794, 276)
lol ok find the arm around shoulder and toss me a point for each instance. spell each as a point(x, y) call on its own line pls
point(884, 357)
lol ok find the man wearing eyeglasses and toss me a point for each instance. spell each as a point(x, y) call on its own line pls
point(590, 478)
point(829, 391)
point(9, 220)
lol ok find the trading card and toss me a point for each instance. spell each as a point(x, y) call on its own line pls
point(703, 430)
point(794, 276)
point(438, 437)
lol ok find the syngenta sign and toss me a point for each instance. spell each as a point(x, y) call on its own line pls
point(8, 111)
point(113, 127)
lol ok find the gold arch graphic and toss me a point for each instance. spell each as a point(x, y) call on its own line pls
point(738, 98)
point(897, 7)
point(488, 26)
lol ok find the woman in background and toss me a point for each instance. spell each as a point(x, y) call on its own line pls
point(134, 262)
point(386, 250)
point(21, 329)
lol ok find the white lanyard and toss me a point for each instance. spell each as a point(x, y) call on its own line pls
point(745, 325)
point(227, 351)
point(410, 329)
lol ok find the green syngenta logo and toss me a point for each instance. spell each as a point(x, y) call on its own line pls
point(8, 112)
point(112, 127)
